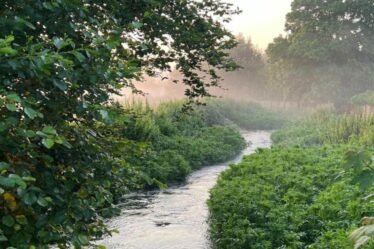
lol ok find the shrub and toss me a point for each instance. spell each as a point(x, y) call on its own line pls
point(287, 198)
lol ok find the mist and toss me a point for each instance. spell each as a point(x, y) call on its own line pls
point(168, 124)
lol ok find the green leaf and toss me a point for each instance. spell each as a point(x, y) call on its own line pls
point(136, 25)
point(29, 179)
point(60, 85)
point(42, 202)
point(11, 107)
point(23, 21)
point(31, 113)
point(30, 134)
point(48, 6)
point(7, 182)
point(48, 143)
point(29, 198)
point(18, 180)
point(7, 220)
point(79, 56)
point(2, 127)
point(8, 39)
point(41, 134)
point(66, 144)
point(21, 219)
point(147, 14)
point(3, 238)
point(83, 239)
point(49, 199)
point(13, 97)
point(58, 42)
point(4, 166)
point(49, 130)
point(7, 51)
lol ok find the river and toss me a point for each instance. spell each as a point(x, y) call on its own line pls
point(175, 218)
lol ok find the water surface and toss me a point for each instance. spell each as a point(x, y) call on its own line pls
point(175, 218)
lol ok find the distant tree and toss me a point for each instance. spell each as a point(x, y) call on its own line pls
point(250, 80)
point(328, 52)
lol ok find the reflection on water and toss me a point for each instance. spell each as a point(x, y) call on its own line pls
point(177, 217)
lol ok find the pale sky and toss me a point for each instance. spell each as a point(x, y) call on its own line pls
point(262, 20)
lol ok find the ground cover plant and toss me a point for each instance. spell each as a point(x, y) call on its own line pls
point(313, 189)
point(288, 198)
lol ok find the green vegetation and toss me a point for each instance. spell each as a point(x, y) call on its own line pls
point(327, 128)
point(139, 148)
point(64, 157)
point(286, 198)
point(131, 147)
point(309, 191)
point(325, 56)
point(366, 98)
point(247, 115)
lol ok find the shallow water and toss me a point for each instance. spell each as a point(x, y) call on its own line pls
point(175, 218)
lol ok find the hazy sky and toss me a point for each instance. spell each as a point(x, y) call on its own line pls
point(262, 20)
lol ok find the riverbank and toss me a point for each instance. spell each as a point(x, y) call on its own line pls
point(175, 218)
point(311, 190)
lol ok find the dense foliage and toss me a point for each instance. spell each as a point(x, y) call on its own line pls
point(61, 164)
point(287, 198)
point(309, 191)
point(134, 148)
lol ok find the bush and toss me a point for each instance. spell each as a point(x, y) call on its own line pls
point(167, 143)
point(287, 198)
point(208, 146)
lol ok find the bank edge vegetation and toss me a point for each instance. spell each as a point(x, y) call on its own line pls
point(313, 189)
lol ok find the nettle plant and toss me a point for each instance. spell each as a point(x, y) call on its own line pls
point(360, 166)
point(60, 60)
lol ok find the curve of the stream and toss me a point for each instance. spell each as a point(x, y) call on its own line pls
point(175, 218)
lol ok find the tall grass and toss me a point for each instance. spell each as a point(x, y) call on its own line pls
point(328, 128)
point(246, 115)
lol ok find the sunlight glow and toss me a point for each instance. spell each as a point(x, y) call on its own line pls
point(262, 20)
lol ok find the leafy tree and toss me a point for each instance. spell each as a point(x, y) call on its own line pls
point(327, 53)
point(60, 60)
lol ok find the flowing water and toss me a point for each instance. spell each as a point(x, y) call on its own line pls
point(175, 218)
